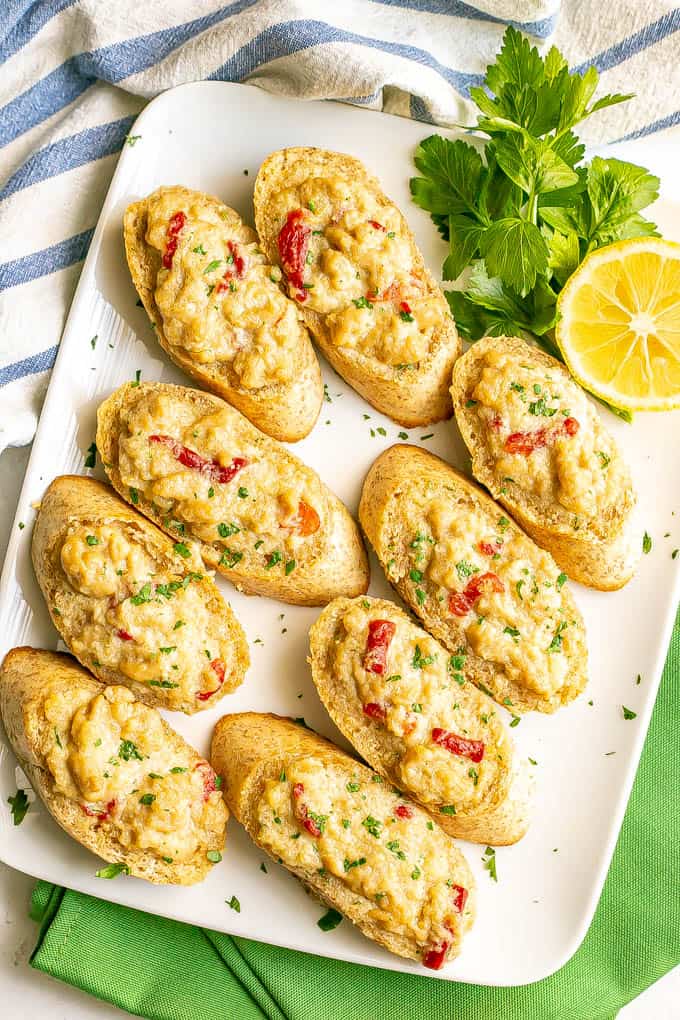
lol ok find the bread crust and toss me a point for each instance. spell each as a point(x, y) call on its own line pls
point(27, 677)
point(340, 565)
point(249, 748)
point(73, 500)
point(392, 475)
point(602, 555)
point(500, 822)
point(414, 397)
point(286, 411)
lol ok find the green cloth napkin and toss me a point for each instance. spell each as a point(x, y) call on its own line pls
point(169, 971)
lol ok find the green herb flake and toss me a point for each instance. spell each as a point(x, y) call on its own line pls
point(147, 799)
point(129, 751)
point(628, 713)
point(112, 871)
point(18, 806)
point(330, 920)
point(560, 581)
point(273, 559)
point(646, 543)
point(289, 568)
point(91, 456)
point(447, 809)
point(489, 862)
point(214, 856)
point(372, 826)
point(348, 865)
point(420, 661)
point(242, 492)
point(233, 902)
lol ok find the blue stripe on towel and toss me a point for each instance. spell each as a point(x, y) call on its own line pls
point(30, 21)
point(29, 366)
point(649, 129)
point(289, 37)
point(49, 260)
point(68, 153)
point(110, 63)
point(632, 44)
point(541, 29)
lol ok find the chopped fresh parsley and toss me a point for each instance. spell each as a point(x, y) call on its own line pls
point(92, 540)
point(489, 862)
point(362, 302)
point(348, 865)
point(289, 568)
point(560, 581)
point(604, 459)
point(556, 643)
point(182, 550)
point(274, 558)
point(112, 871)
point(373, 826)
point(420, 660)
point(330, 920)
point(18, 806)
point(242, 492)
point(234, 904)
point(230, 558)
point(447, 809)
point(147, 799)
point(143, 595)
point(134, 496)
point(91, 457)
point(646, 543)
point(212, 266)
point(353, 787)
point(465, 570)
point(129, 751)
point(214, 856)
point(394, 847)
point(225, 530)
point(628, 713)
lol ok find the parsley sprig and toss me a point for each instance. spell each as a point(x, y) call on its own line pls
point(521, 214)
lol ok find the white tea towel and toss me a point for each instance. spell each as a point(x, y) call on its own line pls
point(74, 74)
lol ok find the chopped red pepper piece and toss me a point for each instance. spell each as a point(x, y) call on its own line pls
point(124, 635)
point(211, 469)
point(236, 269)
point(219, 668)
point(403, 811)
point(526, 442)
point(380, 634)
point(489, 548)
point(404, 306)
point(461, 602)
point(376, 225)
point(101, 815)
point(302, 813)
point(293, 246)
point(472, 749)
point(375, 711)
point(460, 895)
point(307, 521)
point(175, 225)
point(209, 778)
point(434, 958)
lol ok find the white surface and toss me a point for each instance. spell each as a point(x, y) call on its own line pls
point(31, 995)
point(204, 136)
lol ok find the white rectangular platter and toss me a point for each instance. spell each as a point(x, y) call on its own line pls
point(213, 136)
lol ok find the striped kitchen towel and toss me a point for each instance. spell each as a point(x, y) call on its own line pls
point(75, 73)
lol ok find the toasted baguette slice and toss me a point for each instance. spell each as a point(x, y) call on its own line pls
point(271, 525)
point(392, 708)
point(406, 374)
point(573, 495)
point(282, 781)
point(478, 583)
point(284, 399)
point(111, 553)
point(54, 713)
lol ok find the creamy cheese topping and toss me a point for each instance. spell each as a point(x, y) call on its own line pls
point(265, 515)
point(406, 866)
point(498, 586)
point(110, 753)
point(360, 272)
point(151, 622)
point(214, 306)
point(422, 690)
point(581, 470)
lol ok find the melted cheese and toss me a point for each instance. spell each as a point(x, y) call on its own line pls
point(110, 753)
point(405, 866)
point(154, 625)
point(583, 472)
point(253, 517)
point(245, 322)
point(361, 269)
point(422, 689)
point(524, 628)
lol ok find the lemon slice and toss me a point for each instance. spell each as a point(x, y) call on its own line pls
point(619, 324)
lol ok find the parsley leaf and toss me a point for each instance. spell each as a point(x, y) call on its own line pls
point(18, 806)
